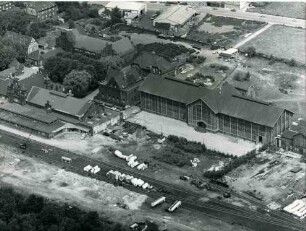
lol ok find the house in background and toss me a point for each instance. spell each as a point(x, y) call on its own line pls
point(5, 5)
point(95, 47)
point(29, 43)
point(42, 10)
point(135, 9)
point(294, 138)
point(149, 62)
point(120, 87)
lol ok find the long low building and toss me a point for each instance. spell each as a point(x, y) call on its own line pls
point(219, 110)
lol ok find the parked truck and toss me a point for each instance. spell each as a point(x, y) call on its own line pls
point(174, 206)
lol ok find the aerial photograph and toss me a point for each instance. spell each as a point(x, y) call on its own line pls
point(152, 116)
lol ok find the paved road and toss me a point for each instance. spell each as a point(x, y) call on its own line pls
point(254, 16)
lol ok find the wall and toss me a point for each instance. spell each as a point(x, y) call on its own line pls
point(163, 106)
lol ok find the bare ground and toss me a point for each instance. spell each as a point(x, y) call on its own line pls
point(33, 176)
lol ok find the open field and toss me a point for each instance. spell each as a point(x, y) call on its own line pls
point(278, 83)
point(285, 9)
point(222, 30)
point(281, 42)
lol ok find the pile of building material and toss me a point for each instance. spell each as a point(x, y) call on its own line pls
point(131, 161)
point(91, 169)
point(195, 162)
point(297, 208)
point(118, 176)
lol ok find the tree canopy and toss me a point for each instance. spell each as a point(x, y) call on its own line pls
point(78, 82)
point(34, 213)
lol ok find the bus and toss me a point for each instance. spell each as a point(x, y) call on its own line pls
point(158, 201)
point(174, 206)
point(66, 159)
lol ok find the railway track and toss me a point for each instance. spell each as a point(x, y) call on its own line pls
point(191, 200)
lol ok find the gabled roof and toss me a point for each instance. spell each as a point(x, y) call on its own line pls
point(175, 15)
point(18, 38)
point(225, 100)
point(121, 46)
point(149, 59)
point(123, 78)
point(40, 6)
point(34, 55)
point(60, 102)
point(173, 89)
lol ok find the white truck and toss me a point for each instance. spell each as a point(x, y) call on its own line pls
point(174, 206)
point(87, 168)
point(95, 169)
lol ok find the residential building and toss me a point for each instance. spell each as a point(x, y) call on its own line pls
point(149, 62)
point(29, 43)
point(42, 10)
point(95, 47)
point(34, 59)
point(219, 110)
point(120, 87)
point(294, 138)
point(174, 18)
point(4, 5)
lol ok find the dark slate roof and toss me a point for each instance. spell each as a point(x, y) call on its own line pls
point(225, 100)
point(60, 102)
point(18, 38)
point(251, 110)
point(34, 55)
point(16, 65)
point(121, 47)
point(3, 86)
point(148, 59)
point(173, 89)
point(7, 72)
point(123, 78)
point(29, 112)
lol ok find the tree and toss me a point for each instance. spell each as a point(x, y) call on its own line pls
point(71, 24)
point(251, 51)
point(7, 54)
point(116, 16)
point(66, 41)
point(78, 82)
point(112, 61)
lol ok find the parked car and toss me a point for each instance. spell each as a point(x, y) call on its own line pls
point(153, 16)
point(185, 178)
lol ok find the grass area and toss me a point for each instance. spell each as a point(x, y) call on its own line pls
point(222, 30)
point(281, 42)
point(285, 9)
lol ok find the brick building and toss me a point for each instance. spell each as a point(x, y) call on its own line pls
point(42, 10)
point(120, 87)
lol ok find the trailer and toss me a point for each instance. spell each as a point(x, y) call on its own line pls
point(66, 159)
point(158, 201)
point(174, 206)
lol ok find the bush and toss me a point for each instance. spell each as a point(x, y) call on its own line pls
point(292, 62)
point(185, 145)
point(174, 156)
point(234, 163)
